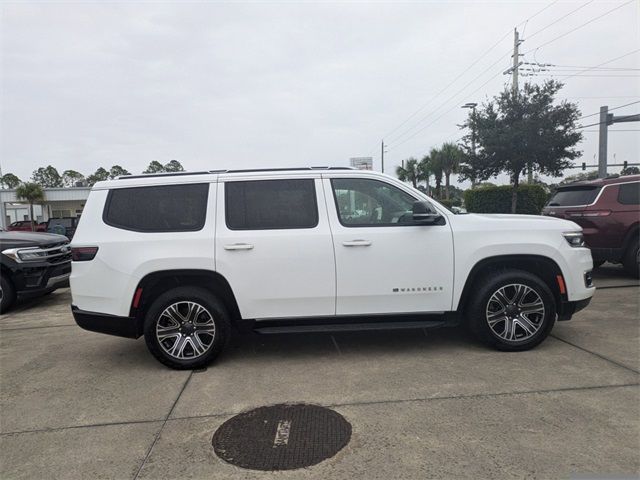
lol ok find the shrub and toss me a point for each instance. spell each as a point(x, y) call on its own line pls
point(531, 199)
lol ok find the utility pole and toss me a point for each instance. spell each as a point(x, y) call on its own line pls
point(607, 119)
point(516, 61)
point(382, 157)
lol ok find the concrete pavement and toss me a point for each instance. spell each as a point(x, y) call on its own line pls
point(423, 404)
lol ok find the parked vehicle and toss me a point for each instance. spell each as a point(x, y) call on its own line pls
point(32, 264)
point(63, 226)
point(608, 210)
point(25, 226)
point(181, 258)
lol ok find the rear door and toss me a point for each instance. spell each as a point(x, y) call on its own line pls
point(274, 246)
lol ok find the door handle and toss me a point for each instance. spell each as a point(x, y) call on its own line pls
point(357, 243)
point(239, 246)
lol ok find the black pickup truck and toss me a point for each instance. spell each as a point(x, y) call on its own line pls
point(32, 264)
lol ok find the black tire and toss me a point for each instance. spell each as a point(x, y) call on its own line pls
point(7, 294)
point(540, 323)
point(631, 261)
point(213, 309)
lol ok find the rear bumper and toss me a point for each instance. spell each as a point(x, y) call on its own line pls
point(128, 327)
point(567, 309)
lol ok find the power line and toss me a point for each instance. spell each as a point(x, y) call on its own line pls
point(422, 119)
point(581, 25)
point(578, 75)
point(560, 19)
point(447, 86)
point(603, 63)
point(611, 131)
point(535, 15)
point(610, 109)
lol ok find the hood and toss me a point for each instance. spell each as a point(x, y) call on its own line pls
point(513, 221)
point(29, 239)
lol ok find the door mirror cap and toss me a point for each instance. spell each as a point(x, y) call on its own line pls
point(423, 214)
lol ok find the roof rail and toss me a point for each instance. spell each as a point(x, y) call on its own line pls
point(163, 174)
point(285, 169)
point(248, 170)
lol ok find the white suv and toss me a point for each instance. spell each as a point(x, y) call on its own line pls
point(183, 258)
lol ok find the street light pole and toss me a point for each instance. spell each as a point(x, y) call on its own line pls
point(472, 106)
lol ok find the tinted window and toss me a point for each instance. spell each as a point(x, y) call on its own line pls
point(363, 202)
point(170, 208)
point(629, 194)
point(571, 196)
point(271, 204)
point(65, 222)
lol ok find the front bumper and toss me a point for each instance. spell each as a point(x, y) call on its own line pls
point(128, 327)
point(39, 279)
point(567, 309)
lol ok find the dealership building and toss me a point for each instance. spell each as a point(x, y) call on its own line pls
point(58, 202)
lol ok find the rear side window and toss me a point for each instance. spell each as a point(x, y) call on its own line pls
point(573, 196)
point(271, 204)
point(168, 208)
point(629, 194)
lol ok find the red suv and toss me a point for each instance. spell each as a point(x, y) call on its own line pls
point(609, 212)
point(25, 226)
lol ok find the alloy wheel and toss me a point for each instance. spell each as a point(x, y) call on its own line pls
point(515, 312)
point(185, 330)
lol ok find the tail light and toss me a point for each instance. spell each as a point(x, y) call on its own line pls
point(590, 213)
point(83, 254)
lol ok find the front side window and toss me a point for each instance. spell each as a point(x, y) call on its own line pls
point(364, 202)
point(168, 208)
point(271, 204)
point(629, 193)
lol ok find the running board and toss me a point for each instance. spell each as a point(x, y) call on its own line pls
point(349, 327)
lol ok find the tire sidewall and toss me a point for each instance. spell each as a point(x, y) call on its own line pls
point(489, 285)
point(202, 297)
point(8, 294)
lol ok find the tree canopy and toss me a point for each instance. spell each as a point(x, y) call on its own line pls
point(99, 175)
point(47, 177)
point(117, 171)
point(517, 130)
point(70, 177)
point(9, 180)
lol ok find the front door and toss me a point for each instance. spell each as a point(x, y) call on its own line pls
point(384, 262)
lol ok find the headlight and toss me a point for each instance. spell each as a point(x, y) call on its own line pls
point(24, 254)
point(575, 239)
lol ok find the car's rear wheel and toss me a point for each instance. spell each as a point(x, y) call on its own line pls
point(186, 328)
point(631, 259)
point(512, 310)
point(7, 294)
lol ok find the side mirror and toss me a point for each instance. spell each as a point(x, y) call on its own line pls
point(423, 215)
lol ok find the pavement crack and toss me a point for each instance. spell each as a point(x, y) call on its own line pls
point(621, 365)
point(155, 440)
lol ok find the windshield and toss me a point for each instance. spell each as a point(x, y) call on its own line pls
point(572, 196)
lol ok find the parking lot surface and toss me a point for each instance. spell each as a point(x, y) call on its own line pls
point(422, 404)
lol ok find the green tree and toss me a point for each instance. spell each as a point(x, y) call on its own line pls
point(517, 130)
point(630, 171)
point(31, 193)
point(450, 157)
point(155, 167)
point(410, 172)
point(9, 180)
point(100, 175)
point(70, 177)
point(117, 171)
point(173, 166)
point(47, 177)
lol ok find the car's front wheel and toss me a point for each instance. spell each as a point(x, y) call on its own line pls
point(512, 310)
point(631, 259)
point(7, 294)
point(186, 328)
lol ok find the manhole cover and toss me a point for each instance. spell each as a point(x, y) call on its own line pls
point(281, 437)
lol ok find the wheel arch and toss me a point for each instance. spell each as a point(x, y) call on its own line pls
point(543, 267)
point(154, 284)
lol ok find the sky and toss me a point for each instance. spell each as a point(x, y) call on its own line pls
point(278, 84)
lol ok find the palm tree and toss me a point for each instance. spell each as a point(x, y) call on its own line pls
point(410, 172)
point(32, 193)
point(450, 157)
point(435, 167)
